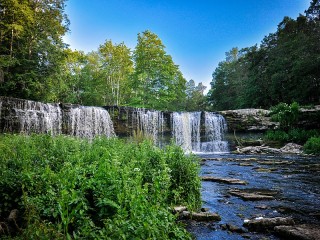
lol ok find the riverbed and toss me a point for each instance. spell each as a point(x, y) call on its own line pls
point(293, 180)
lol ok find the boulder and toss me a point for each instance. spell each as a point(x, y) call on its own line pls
point(292, 148)
point(267, 224)
point(299, 232)
point(201, 216)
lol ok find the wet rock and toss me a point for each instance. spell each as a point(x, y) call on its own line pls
point(258, 149)
point(246, 164)
point(253, 194)
point(260, 169)
point(299, 232)
point(236, 229)
point(204, 209)
point(292, 148)
point(262, 207)
point(267, 224)
point(201, 216)
point(179, 209)
point(268, 162)
point(224, 180)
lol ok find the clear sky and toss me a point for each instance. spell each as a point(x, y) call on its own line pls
point(196, 33)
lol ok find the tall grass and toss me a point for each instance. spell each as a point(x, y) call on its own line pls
point(66, 188)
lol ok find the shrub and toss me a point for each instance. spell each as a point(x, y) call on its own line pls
point(295, 135)
point(277, 135)
point(286, 115)
point(312, 146)
point(70, 188)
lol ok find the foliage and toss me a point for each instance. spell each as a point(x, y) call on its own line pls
point(286, 115)
point(107, 189)
point(157, 81)
point(295, 135)
point(31, 47)
point(195, 99)
point(312, 146)
point(284, 68)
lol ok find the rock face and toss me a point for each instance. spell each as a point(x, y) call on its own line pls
point(248, 120)
point(251, 120)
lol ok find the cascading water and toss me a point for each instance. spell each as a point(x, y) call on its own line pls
point(36, 117)
point(151, 123)
point(215, 127)
point(186, 130)
point(89, 122)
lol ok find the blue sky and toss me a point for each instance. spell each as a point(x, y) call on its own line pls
point(196, 33)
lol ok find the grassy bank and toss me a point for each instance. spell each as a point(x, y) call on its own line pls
point(67, 188)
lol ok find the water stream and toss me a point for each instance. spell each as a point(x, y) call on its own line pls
point(296, 180)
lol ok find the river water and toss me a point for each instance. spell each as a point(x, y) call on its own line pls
point(295, 179)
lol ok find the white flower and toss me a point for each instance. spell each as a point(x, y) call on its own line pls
point(136, 169)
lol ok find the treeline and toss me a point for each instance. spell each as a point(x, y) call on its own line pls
point(284, 68)
point(36, 64)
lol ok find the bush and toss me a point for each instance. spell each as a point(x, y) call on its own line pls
point(70, 188)
point(295, 135)
point(286, 115)
point(312, 146)
point(277, 135)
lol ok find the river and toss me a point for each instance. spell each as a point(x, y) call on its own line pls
point(295, 181)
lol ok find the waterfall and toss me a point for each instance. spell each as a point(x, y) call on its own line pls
point(186, 130)
point(151, 123)
point(89, 122)
point(36, 117)
point(215, 127)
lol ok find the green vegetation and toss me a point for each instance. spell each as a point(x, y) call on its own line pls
point(295, 135)
point(105, 189)
point(284, 68)
point(35, 64)
point(312, 146)
point(286, 115)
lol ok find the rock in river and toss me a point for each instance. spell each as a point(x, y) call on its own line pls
point(299, 232)
point(224, 180)
point(267, 224)
point(253, 194)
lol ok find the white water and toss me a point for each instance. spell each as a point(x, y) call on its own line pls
point(36, 117)
point(215, 128)
point(88, 122)
point(186, 130)
point(151, 123)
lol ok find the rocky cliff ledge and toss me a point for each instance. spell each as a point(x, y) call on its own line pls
point(243, 120)
point(250, 119)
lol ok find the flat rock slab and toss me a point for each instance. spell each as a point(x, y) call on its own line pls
point(267, 224)
point(299, 232)
point(201, 216)
point(253, 194)
point(179, 209)
point(224, 180)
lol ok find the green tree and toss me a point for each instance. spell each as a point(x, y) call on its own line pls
point(195, 99)
point(157, 81)
point(117, 68)
point(31, 46)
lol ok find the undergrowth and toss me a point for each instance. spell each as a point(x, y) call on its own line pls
point(66, 188)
